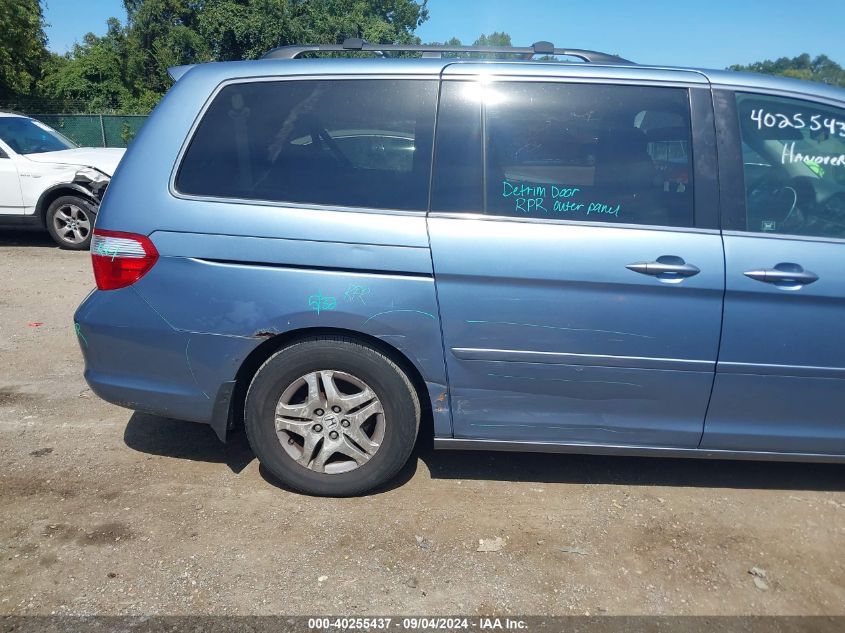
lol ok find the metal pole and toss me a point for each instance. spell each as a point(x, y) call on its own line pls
point(103, 130)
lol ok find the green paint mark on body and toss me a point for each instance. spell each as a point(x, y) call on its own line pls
point(320, 303)
point(79, 333)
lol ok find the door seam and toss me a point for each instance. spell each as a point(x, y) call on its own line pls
point(448, 385)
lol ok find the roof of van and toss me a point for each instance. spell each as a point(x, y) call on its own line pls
point(224, 71)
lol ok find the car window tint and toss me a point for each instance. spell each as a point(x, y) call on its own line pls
point(457, 182)
point(793, 166)
point(361, 143)
point(28, 136)
point(588, 152)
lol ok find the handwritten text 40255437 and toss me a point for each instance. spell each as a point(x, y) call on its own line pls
point(798, 121)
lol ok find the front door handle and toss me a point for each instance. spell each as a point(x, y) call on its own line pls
point(784, 275)
point(670, 268)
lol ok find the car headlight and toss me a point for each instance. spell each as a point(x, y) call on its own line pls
point(89, 174)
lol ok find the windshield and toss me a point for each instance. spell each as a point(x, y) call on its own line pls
point(28, 136)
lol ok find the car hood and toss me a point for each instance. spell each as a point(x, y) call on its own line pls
point(103, 158)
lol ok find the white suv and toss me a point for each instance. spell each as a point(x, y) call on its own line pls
point(47, 181)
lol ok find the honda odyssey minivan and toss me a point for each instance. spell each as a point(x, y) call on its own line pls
point(578, 256)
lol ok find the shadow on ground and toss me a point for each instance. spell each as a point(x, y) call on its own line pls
point(155, 435)
point(165, 437)
point(15, 237)
point(197, 442)
point(635, 471)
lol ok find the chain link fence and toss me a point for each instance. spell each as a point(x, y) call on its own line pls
point(95, 130)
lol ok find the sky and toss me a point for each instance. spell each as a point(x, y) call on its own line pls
point(698, 33)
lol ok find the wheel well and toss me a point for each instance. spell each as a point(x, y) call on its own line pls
point(50, 195)
point(260, 354)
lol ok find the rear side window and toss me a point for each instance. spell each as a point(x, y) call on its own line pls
point(359, 143)
point(585, 152)
point(793, 155)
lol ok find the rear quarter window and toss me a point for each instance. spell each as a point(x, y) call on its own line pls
point(356, 143)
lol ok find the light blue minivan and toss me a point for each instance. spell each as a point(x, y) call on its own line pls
point(588, 256)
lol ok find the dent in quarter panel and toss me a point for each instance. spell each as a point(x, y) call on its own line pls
point(216, 359)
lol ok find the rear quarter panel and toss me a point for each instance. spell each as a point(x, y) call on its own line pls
point(250, 289)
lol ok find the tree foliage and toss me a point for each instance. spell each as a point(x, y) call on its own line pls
point(246, 29)
point(125, 70)
point(497, 38)
point(22, 46)
point(821, 68)
point(93, 75)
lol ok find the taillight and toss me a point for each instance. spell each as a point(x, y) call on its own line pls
point(120, 259)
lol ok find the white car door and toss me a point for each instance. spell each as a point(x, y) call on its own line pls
point(11, 199)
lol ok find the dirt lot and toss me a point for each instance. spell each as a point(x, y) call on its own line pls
point(109, 512)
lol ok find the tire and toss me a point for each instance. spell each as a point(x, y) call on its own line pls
point(289, 419)
point(70, 221)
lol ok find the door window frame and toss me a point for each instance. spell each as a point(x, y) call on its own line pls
point(706, 214)
point(732, 192)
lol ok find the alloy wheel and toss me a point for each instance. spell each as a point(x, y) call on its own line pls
point(72, 223)
point(330, 421)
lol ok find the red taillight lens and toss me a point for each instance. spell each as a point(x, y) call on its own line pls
point(120, 259)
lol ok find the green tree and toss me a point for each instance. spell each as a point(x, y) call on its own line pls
point(246, 29)
point(92, 76)
point(497, 38)
point(126, 69)
point(378, 21)
point(822, 68)
point(22, 47)
point(161, 34)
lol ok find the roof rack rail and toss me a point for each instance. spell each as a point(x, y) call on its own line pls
point(356, 44)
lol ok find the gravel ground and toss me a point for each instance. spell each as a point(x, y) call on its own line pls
point(106, 511)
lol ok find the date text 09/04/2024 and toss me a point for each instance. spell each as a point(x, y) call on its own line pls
point(417, 624)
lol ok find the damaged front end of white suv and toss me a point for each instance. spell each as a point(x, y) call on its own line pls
point(47, 181)
point(93, 181)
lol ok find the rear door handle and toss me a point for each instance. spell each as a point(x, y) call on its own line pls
point(785, 275)
point(669, 268)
